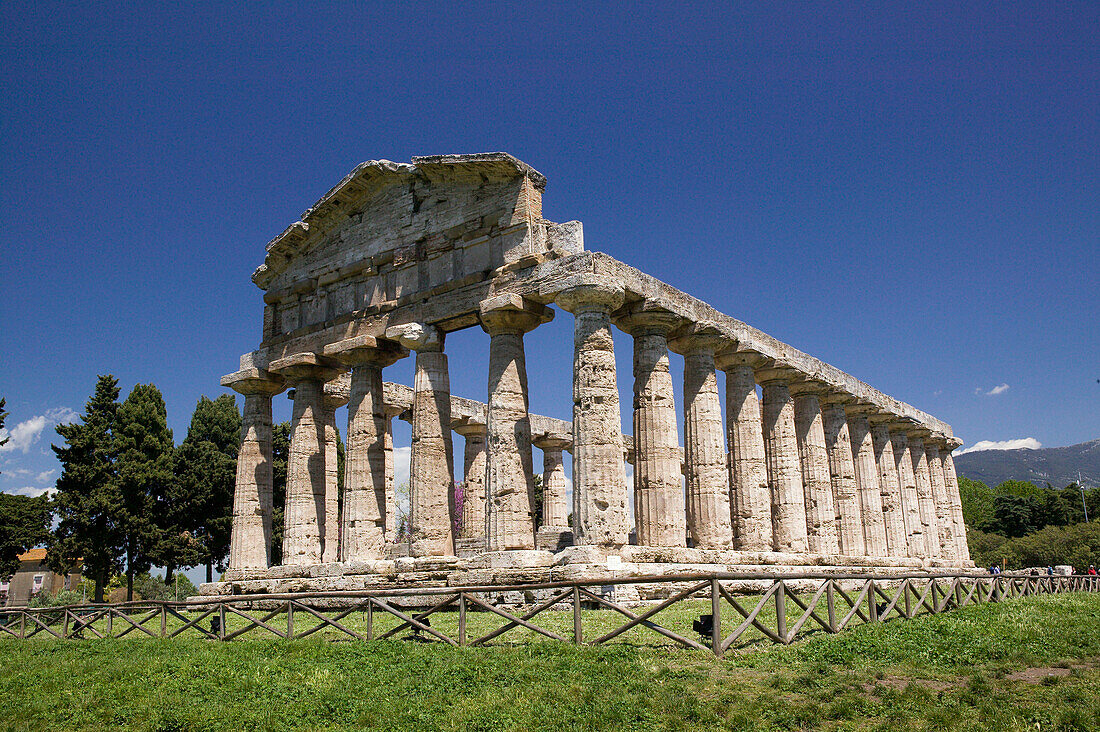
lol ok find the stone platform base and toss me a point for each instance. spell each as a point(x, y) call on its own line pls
point(522, 567)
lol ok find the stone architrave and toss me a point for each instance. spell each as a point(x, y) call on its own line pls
point(946, 534)
point(907, 480)
point(659, 516)
point(555, 510)
point(304, 514)
point(473, 481)
point(363, 532)
point(599, 477)
point(709, 518)
point(509, 475)
point(925, 501)
point(870, 494)
point(431, 479)
point(951, 480)
point(750, 495)
point(893, 508)
point(250, 541)
point(842, 475)
point(784, 468)
point(821, 528)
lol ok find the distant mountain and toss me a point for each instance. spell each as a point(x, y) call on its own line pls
point(1055, 465)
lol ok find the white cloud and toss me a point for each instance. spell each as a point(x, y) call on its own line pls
point(402, 456)
point(45, 476)
point(29, 490)
point(1025, 443)
point(998, 389)
point(26, 433)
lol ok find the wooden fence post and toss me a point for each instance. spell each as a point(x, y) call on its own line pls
point(830, 604)
point(715, 617)
point(289, 619)
point(462, 620)
point(221, 619)
point(872, 606)
point(578, 631)
point(781, 612)
point(163, 620)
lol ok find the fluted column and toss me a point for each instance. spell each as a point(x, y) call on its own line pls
point(431, 482)
point(750, 496)
point(555, 510)
point(946, 534)
point(599, 478)
point(659, 516)
point(784, 468)
point(473, 482)
point(390, 517)
point(709, 520)
point(925, 500)
point(363, 531)
point(821, 528)
point(250, 540)
point(509, 475)
point(306, 490)
point(330, 529)
point(842, 476)
point(893, 510)
point(870, 494)
point(951, 480)
point(907, 481)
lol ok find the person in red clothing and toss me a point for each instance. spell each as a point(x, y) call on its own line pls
point(1092, 569)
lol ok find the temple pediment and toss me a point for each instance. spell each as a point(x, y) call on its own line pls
point(388, 230)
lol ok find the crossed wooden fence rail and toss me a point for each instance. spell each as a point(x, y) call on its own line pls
point(828, 603)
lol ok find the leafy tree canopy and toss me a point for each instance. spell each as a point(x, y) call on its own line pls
point(24, 523)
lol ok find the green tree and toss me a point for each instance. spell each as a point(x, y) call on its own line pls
point(202, 505)
point(24, 523)
point(977, 504)
point(87, 501)
point(3, 416)
point(280, 450)
point(144, 468)
point(1016, 515)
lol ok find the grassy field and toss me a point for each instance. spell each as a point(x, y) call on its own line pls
point(1029, 664)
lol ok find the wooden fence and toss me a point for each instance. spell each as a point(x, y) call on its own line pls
point(710, 612)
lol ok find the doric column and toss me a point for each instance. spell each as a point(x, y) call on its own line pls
point(304, 514)
point(599, 479)
point(709, 519)
point(509, 476)
point(473, 481)
point(907, 480)
point(250, 541)
point(363, 522)
point(658, 494)
point(842, 475)
point(925, 501)
point(946, 534)
point(750, 496)
point(821, 528)
point(334, 398)
point(555, 511)
point(870, 494)
point(431, 481)
point(390, 517)
point(784, 468)
point(951, 480)
point(893, 509)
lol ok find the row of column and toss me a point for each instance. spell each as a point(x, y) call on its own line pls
point(802, 471)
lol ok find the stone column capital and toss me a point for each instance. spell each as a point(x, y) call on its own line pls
point(731, 358)
point(419, 337)
point(645, 318)
point(366, 350)
point(881, 418)
point(860, 409)
point(511, 313)
point(809, 387)
point(777, 375)
point(588, 292)
point(301, 366)
point(254, 382)
point(337, 393)
point(836, 398)
point(698, 338)
point(551, 443)
point(952, 443)
point(469, 429)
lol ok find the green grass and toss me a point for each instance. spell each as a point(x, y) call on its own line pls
point(949, 671)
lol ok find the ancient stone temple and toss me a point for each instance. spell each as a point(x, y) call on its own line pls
point(817, 468)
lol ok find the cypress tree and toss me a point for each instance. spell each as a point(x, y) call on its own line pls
point(87, 501)
point(145, 456)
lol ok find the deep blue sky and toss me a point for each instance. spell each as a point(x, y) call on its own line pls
point(908, 193)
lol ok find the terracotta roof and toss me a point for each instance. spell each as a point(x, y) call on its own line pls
point(38, 554)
